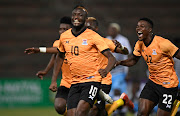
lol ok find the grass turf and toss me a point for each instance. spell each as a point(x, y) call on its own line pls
point(33, 111)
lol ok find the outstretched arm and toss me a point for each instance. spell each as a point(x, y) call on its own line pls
point(132, 60)
point(52, 50)
point(110, 65)
point(57, 67)
point(42, 73)
point(120, 48)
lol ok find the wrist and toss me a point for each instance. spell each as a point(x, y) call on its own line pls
point(42, 49)
point(122, 47)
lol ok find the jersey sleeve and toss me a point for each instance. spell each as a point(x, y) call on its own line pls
point(137, 49)
point(56, 43)
point(61, 46)
point(168, 47)
point(99, 42)
point(110, 44)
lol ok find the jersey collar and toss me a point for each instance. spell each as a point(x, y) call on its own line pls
point(150, 41)
point(78, 33)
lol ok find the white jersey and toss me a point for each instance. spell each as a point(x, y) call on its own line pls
point(125, 42)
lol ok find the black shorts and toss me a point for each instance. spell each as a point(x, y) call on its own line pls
point(160, 95)
point(62, 92)
point(101, 103)
point(82, 91)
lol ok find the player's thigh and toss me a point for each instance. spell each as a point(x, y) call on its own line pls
point(90, 92)
point(62, 92)
point(161, 112)
point(61, 99)
point(101, 103)
point(71, 112)
point(148, 99)
point(83, 106)
point(73, 96)
point(167, 98)
point(145, 106)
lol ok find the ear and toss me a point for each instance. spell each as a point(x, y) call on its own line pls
point(150, 30)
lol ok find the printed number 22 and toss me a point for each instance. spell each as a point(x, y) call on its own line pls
point(149, 58)
point(166, 97)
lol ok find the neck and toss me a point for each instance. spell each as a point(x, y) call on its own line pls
point(148, 40)
point(78, 29)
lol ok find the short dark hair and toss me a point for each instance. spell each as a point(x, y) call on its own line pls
point(147, 20)
point(66, 20)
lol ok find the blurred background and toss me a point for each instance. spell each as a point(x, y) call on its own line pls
point(34, 23)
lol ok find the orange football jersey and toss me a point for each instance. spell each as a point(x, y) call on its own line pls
point(104, 61)
point(66, 75)
point(82, 52)
point(159, 58)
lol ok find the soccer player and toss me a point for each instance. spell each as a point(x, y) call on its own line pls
point(82, 47)
point(99, 108)
point(63, 89)
point(158, 53)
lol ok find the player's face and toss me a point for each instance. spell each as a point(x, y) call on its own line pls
point(63, 27)
point(143, 29)
point(78, 17)
point(91, 25)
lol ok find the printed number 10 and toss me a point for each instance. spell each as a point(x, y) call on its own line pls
point(75, 50)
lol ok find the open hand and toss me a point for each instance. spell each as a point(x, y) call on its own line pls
point(40, 74)
point(116, 43)
point(31, 50)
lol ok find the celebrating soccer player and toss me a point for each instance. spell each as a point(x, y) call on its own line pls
point(158, 53)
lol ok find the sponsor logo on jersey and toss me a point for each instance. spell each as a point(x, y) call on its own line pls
point(165, 83)
point(90, 77)
point(67, 41)
point(84, 42)
point(154, 52)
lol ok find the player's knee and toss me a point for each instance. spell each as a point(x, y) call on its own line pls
point(60, 108)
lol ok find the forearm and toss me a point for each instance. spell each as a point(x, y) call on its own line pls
point(57, 66)
point(132, 60)
point(52, 50)
point(111, 63)
point(51, 63)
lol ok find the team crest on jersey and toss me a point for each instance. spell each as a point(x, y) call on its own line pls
point(84, 42)
point(154, 52)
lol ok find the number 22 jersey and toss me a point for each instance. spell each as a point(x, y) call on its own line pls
point(159, 58)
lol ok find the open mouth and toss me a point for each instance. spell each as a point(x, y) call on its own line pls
point(76, 22)
point(140, 33)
